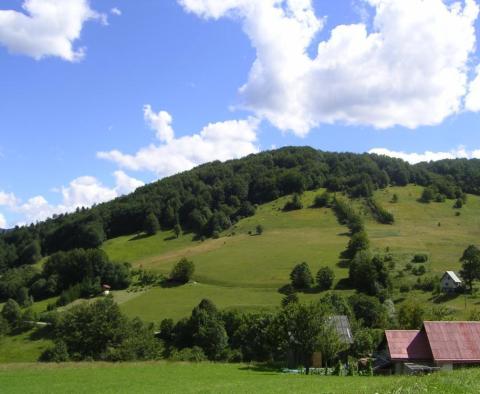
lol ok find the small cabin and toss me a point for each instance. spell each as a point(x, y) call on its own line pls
point(106, 289)
point(450, 282)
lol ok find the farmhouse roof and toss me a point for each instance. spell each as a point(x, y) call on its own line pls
point(454, 341)
point(453, 276)
point(408, 345)
point(441, 341)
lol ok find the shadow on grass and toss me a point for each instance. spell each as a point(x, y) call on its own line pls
point(167, 284)
point(139, 236)
point(170, 238)
point(266, 369)
point(343, 284)
point(343, 263)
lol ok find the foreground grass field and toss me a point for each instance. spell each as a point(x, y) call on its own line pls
point(214, 378)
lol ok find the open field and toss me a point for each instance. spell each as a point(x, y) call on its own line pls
point(214, 378)
point(26, 347)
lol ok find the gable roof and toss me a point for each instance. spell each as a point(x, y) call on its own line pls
point(453, 276)
point(408, 345)
point(454, 341)
point(342, 327)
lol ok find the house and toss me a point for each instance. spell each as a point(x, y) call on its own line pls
point(437, 345)
point(341, 324)
point(450, 282)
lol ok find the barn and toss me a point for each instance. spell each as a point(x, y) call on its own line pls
point(437, 345)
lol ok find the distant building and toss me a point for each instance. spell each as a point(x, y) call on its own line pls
point(437, 345)
point(450, 282)
point(106, 289)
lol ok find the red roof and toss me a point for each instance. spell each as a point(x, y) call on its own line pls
point(454, 341)
point(408, 345)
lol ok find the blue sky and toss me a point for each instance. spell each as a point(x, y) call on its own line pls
point(81, 102)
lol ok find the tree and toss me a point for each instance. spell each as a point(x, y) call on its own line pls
point(298, 329)
point(259, 229)
point(368, 274)
point(358, 242)
point(411, 315)
point(325, 278)
point(151, 226)
point(470, 265)
point(301, 276)
point(369, 310)
point(183, 271)
point(177, 230)
point(12, 313)
point(428, 194)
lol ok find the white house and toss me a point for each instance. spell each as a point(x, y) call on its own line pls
point(450, 282)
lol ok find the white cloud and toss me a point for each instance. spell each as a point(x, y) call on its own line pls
point(116, 11)
point(410, 69)
point(414, 158)
point(216, 141)
point(81, 192)
point(161, 123)
point(472, 101)
point(125, 184)
point(7, 199)
point(3, 222)
point(47, 28)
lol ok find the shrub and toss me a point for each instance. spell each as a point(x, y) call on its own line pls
point(294, 204)
point(259, 229)
point(322, 200)
point(404, 288)
point(194, 354)
point(420, 258)
point(183, 271)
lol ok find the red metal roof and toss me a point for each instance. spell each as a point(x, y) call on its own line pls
point(454, 341)
point(408, 345)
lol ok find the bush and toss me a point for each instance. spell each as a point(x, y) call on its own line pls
point(183, 271)
point(325, 278)
point(259, 229)
point(404, 288)
point(420, 258)
point(194, 354)
point(294, 204)
point(322, 200)
point(58, 353)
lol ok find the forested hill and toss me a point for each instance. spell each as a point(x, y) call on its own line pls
point(209, 198)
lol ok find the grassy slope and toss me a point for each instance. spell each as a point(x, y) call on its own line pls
point(236, 271)
point(245, 271)
point(416, 229)
point(213, 378)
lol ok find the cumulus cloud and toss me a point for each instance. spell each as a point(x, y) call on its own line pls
point(216, 141)
point(414, 158)
point(81, 192)
point(472, 101)
point(410, 68)
point(47, 28)
point(3, 222)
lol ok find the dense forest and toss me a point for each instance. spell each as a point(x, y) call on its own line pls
point(211, 197)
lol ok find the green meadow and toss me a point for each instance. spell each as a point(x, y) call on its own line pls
point(244, 271)
point(165, 377)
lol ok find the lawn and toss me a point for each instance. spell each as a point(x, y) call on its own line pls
point(214, 378)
